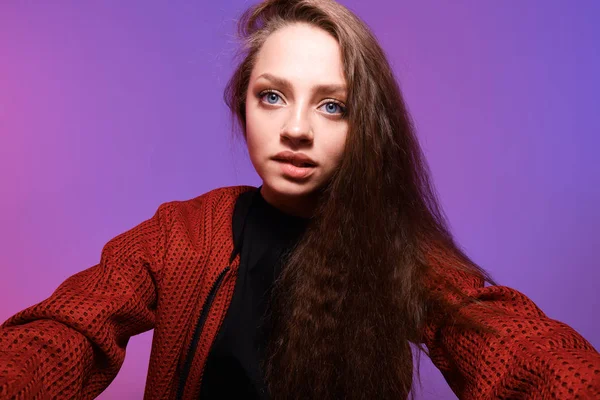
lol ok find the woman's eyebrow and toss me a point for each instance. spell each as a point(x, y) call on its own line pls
point(328, 89)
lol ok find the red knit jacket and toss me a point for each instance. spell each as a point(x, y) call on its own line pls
point(171, 271)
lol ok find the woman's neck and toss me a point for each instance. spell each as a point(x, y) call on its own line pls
point(297, 206)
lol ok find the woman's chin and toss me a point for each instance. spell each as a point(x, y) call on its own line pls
point(282, 186)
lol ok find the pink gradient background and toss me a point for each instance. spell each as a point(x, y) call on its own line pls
point(109, 109)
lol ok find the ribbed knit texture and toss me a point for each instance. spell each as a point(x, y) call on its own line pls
point(158, 275)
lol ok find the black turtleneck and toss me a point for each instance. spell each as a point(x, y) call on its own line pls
point(233, 369)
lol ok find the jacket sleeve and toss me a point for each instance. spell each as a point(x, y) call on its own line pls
point(531, 357)
point(72, 344)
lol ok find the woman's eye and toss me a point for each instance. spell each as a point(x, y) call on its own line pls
point(333, 108)
point(270, 97)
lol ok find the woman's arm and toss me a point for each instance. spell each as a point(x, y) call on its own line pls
point(72, 344)
point(532, 357)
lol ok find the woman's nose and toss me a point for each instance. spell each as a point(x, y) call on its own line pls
point(298, 127)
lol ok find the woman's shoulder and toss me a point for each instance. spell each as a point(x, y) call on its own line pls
point(214, 201)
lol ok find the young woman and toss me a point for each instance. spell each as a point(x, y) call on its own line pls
point(313, 285)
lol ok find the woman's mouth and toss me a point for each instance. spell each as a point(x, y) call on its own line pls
point(295, 169)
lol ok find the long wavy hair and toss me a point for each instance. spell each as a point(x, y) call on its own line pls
point(356, 290)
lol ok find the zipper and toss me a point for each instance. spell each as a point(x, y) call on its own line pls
point(197, 330)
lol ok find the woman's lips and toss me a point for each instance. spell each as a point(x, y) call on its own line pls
point(293, 171)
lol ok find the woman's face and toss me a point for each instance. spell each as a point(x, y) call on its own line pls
point(295, 102)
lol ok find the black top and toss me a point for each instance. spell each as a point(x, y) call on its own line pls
point(264, 235)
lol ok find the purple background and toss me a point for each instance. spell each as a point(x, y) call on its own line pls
point(108, 110)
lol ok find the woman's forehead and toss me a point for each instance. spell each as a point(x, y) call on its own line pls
point(301, 53)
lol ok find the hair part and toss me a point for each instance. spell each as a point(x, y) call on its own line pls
point(357, 289)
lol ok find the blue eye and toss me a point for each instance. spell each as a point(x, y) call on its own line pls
point(334, 108)
point(331, 107)
point(272, 97)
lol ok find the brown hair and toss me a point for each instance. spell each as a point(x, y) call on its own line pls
point(353, 293)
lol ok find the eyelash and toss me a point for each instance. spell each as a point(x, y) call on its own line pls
point(343, 113)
